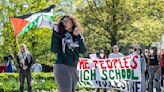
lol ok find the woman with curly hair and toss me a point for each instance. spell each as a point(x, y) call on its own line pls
point(67, 42)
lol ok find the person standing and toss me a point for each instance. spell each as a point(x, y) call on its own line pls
point(143, 68)
point(146, 55)
point(115, 54)
point(36, 67)
point(154, 69)
point(130, 50)
point(10, 64)
point(68, 43)
point(25, 61)
point(101, 55)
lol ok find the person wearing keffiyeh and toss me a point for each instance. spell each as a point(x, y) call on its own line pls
point(25, 61)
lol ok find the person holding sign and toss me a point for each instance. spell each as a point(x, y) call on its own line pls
point(25, 61)
point(101, 55)
point(130, 50)
point(154, 69)
point(143, 68)
point(68, 43)
point(115, 54)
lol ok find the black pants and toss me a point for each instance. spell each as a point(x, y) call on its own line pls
point(22, 75)
point(162, 76)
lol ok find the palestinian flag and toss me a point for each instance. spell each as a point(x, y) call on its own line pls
point(22, 24)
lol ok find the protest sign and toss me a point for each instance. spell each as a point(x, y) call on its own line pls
point(117, 73)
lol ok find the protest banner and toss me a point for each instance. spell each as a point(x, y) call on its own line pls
point(117, 73)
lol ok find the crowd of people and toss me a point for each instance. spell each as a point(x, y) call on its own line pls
point(152, 65)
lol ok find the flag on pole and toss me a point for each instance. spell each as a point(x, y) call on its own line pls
point(23, 23)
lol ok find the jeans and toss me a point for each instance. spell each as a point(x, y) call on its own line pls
point(154, 74)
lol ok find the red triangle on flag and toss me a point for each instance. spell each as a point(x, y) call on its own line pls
point(18, 25)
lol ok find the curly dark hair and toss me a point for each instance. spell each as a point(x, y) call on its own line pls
point(76, 23)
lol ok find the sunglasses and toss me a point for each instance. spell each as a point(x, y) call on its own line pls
point(65, 21)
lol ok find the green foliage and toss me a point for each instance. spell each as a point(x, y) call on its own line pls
point(40, 81)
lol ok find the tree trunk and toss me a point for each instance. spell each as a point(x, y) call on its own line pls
point(114, 30)
point(113, 41)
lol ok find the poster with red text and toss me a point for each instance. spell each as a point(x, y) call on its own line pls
point(116, 73)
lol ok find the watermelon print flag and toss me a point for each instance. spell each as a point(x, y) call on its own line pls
point(22, 24)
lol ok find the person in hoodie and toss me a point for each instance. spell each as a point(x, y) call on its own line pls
point(67, 43)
